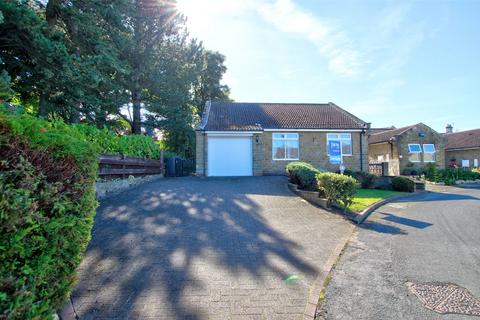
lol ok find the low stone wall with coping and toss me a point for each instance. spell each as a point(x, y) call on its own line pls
point(109, 188)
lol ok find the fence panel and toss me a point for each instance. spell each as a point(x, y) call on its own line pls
point(376, 169)
point(118, 166)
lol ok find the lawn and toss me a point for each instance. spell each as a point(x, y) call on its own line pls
point(366, 197)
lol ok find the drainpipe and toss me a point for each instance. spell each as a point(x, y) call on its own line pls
point(361, 150)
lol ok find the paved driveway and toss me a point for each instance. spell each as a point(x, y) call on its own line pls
point(204, 248)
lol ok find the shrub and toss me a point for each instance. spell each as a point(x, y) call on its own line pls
point(366, 179)
point(337, 188)
point(403, 184)
point(47, 205)
point(302, 174)
point(450, 175)
point(110, 143)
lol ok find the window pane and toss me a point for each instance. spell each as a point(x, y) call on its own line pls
point(278, 149)
point(414, 157)
point(278, 136)
point(292, 149)
point(414, 148)
point(332, 136)
point(428, 157)
point(429, 148)
point(346, 147)
point(345, 136)
point(465, 163)
point(292, 136)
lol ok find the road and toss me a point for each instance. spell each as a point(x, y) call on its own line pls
point(425, 238)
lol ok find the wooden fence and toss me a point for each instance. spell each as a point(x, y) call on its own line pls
point(378, 169)
point(118, 166)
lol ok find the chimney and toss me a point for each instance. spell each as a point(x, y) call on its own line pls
point(449, 128)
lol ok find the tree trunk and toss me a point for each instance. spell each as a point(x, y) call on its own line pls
point(137, 123)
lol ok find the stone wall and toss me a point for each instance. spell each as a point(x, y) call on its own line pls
point(201, 155)
point(412, 136)
point(374, 150)
point(313, 149)
point(460, 155)
point(258, 150)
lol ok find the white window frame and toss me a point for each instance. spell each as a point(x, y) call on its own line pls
point(415, 152)
point(297, 138)
point(465, 163)
point(341, 140)
point(434, 152)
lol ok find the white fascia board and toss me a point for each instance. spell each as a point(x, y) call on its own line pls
point(314, 130)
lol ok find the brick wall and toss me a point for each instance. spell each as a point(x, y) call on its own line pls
point(313, 149)
point(460, 155)
point(200, 149)
point(258, 154)
point(412, 136)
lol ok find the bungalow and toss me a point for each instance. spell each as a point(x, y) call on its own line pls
point(243, 139)
point(462, 148)
point(406, 150)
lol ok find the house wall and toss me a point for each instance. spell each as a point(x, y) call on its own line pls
point(200, 152)
point(412, 136)
point(459, 155)
point(313, 149)
point(375, 150)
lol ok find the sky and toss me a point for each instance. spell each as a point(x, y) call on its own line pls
point(388, 62)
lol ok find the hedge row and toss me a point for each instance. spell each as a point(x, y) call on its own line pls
point(47, 205)
point(303, 175)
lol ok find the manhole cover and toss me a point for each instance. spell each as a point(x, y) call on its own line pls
point(445, 298)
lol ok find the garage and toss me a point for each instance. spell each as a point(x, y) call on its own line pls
point(229, 156)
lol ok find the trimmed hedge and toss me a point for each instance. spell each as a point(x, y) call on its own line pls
point(337, 188)
point(403, 184)
point(47, 205)
point(302, 174)
point(110, 143)
point(366, 179)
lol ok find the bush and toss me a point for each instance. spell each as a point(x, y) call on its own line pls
point(337, 188)
point(110, 143)
point(302, 174)
point(47, 205)
point(366, 179)
point(450, 175)
point(403, 184)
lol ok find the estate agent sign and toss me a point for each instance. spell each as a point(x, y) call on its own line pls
point(335, 151)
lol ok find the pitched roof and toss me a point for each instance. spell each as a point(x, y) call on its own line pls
point(236, 116)
point(387, 135)
point(378, 130)
point(463, 139)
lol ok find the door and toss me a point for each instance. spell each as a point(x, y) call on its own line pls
point(229, 156)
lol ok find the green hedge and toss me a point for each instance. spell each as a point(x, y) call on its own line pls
point(366, 179)
point(302, 174)
point(47, 205)
point(337, 188)
point(403, 184)
point(110, 143)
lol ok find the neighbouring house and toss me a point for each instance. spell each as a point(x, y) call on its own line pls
point(462, 148)
point(243, 139)
point(406, 150)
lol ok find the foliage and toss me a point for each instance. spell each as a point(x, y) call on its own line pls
point(47, 206)
point(95, 61)
point(336, 188)
point(110, 143)
point(364, 198)
point(366, 179)
point(403, 184)
point(450, 175)
point(303, 175)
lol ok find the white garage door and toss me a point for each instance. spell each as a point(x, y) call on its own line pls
point(230, 156)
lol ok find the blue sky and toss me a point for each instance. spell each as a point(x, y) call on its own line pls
point(388, 62)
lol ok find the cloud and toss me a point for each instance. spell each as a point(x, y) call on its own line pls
point(332, 43)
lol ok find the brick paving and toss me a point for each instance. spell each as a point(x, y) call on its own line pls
point(205, 248)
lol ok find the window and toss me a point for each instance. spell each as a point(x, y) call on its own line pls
point(414, 149)
point(285, 146)
point(465, 163)
point(345, 141)
point(475, 163)
point(429, 153)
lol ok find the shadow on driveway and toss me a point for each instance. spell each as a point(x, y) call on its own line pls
point(150, 244)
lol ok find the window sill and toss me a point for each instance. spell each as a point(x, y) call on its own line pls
point(286, 159)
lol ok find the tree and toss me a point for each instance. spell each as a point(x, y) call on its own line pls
point(208, 86)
